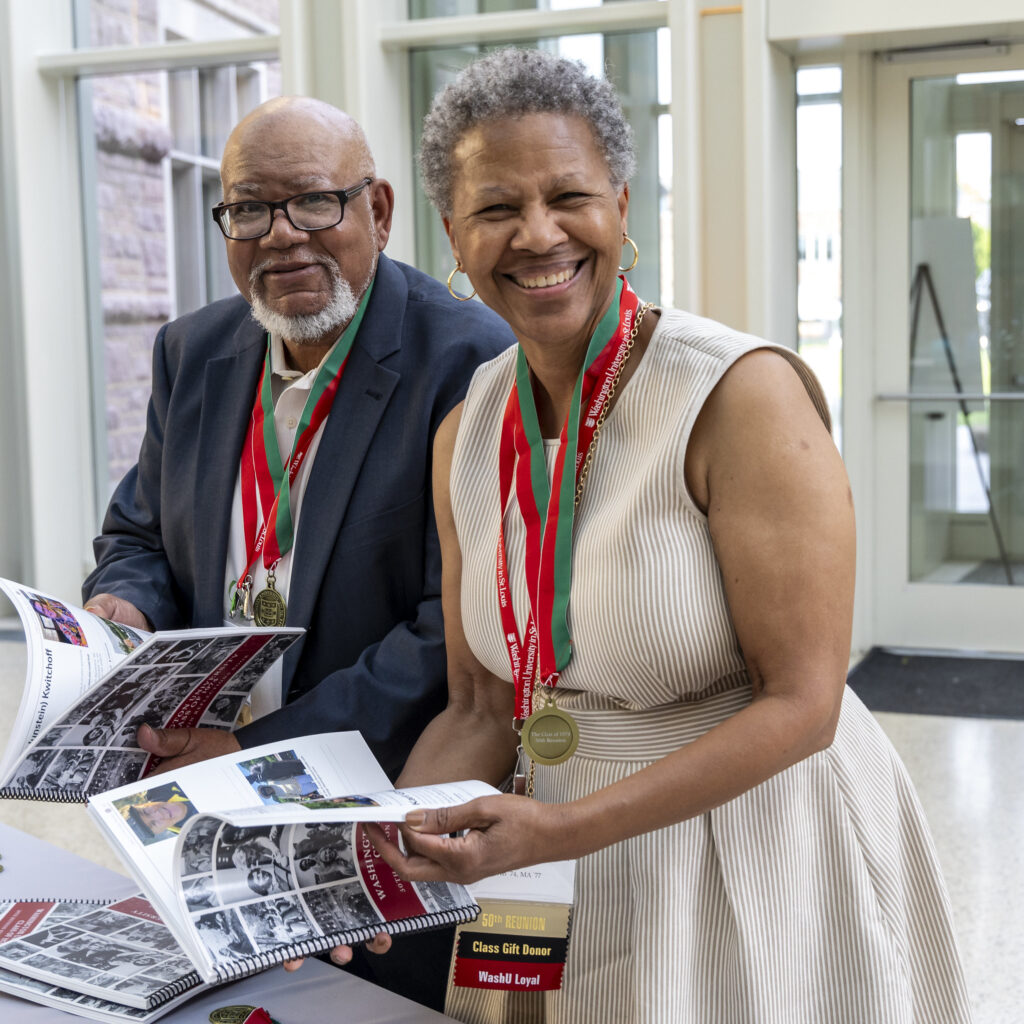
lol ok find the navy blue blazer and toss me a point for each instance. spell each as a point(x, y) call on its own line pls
point(366, 569)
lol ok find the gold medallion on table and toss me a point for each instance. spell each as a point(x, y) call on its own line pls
point(550, 735)
point(231, 1014)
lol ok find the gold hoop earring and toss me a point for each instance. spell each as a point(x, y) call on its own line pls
point(626, 240)
point(454, 294)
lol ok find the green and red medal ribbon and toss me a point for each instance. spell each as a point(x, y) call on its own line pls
point(263, 471)
point(548, 511)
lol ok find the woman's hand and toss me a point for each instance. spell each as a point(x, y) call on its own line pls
point(504, 832)
point(341, 955)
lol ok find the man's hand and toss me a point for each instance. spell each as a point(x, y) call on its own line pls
point(179, 747)
point(117, 609)
point(341, 955)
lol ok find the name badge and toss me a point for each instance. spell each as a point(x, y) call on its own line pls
point(520, 941)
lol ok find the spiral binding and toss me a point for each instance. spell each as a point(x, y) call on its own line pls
point(173, 988)
point(84, 900)
point(310, 947)
point(60, 796)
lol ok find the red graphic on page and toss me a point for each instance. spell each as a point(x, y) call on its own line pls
point(22, 919)
point(136, 906)
point(392, 896)
point(193, 707)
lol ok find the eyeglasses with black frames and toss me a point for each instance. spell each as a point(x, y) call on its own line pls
point(310, 211)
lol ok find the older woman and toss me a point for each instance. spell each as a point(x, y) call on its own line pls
point(644, 511)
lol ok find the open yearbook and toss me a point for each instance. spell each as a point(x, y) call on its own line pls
point(90, 683)
point(259, 856)
point(111, 960)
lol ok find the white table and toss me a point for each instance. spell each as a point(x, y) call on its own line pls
point(315, 993)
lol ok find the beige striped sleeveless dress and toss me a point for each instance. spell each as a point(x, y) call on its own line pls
point(815, 897)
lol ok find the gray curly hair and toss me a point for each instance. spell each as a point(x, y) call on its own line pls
point(510, 83)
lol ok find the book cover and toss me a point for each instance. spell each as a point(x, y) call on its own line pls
point(120, 950)
point(108, 960)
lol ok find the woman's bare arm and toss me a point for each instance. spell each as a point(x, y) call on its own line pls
point(781, 519)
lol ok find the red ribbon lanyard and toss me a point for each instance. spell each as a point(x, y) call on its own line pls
point(275, 535)
point(548, 510)
point(261, 468)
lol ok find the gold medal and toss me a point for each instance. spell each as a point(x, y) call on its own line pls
point(550, 735)
point(231, 1014)
point(268, 607)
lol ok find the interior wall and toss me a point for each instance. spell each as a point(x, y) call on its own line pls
point(723, 230)
point(859, 406)
point(770, 166)
point(14, 518)
point(51, 400)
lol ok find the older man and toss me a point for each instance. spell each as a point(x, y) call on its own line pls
point(287, 457)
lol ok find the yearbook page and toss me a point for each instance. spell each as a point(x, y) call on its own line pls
point(69, 650)
point(90, 684)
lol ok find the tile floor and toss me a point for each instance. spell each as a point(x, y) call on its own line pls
point(969, 775)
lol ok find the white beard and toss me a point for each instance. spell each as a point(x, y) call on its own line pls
point(308, 328)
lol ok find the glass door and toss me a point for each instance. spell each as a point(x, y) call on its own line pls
point(949, 410)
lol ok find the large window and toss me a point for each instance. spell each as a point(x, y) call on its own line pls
point(151, 147)
point(159, 82)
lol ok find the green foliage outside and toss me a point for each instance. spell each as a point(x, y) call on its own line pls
point(982, 248)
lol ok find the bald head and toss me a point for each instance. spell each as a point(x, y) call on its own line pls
point(291, 126)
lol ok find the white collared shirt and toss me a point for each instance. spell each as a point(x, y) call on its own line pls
point(289, 390)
